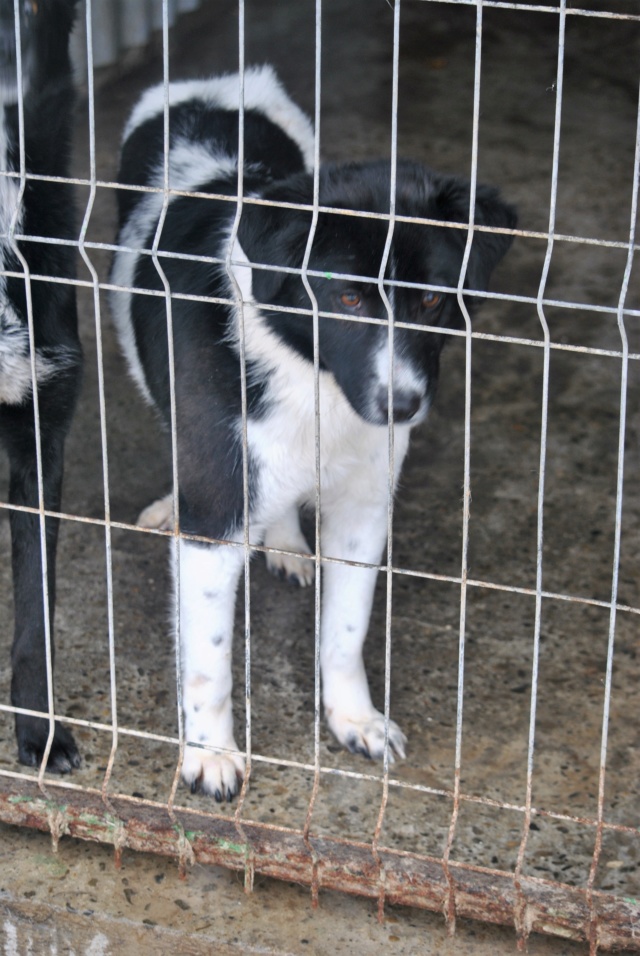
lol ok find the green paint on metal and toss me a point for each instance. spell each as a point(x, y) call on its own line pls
point(234, 847)
point(38, 803)
point(107, 821)
point(192, 835)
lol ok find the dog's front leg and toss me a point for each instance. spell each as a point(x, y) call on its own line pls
point(209, 576)
point(354, 533)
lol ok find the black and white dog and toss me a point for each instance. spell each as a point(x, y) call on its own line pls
point(275, 322)
point(45, 210)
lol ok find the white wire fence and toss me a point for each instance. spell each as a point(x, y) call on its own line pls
point(362, 859)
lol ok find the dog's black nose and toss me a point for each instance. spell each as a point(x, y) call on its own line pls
point(405, 404)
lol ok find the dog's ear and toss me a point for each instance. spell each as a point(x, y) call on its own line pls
point(489, 247)
point(453, 200)
point(274, 235)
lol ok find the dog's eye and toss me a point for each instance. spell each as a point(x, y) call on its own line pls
point(431, 299)
point(350, 299)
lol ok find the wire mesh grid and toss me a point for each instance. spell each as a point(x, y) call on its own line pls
point(307, 811)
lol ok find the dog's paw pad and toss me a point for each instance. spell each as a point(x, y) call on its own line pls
point(158, 515)
point(366, 735)
point(291, 568)
point(217, 775)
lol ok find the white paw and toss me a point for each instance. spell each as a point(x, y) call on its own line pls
point(366, 735)
point(289, 567)
point(218, 775)
point(158, 515)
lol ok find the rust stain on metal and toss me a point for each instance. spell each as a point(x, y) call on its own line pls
point(328, 863)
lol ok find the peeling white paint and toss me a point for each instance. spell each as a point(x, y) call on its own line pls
point(11, 939)
point(99, 946)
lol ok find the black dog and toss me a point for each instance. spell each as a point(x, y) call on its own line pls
point(44, 209)
point(357, 377)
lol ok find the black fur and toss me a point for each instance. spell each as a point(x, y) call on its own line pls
point(47, 211)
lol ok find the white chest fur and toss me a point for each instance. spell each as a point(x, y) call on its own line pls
point(287, 442)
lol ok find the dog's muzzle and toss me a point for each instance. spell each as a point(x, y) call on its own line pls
point(407, 405)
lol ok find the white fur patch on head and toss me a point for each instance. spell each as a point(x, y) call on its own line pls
point(406, 377)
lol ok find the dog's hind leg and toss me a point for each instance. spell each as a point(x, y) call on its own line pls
point(286, 535)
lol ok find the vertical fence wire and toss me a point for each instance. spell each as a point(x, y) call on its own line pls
point(519, 914)
point(245, 448)
point(624, 381)
point(101, 395)
point(393, 170)
point(316, 444)
point(450, 913)
point(166, 196)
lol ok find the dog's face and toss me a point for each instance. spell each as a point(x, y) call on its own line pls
point(355, 295)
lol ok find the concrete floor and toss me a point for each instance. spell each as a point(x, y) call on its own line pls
point(145, 902)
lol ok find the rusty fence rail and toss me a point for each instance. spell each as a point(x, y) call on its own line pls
point(324, 863)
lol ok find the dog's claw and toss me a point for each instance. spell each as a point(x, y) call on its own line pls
point(215, 775)
point(299, 572)
point(366, 735)
point(356, 747)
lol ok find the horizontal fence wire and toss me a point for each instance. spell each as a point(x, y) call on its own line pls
point(371, 869)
